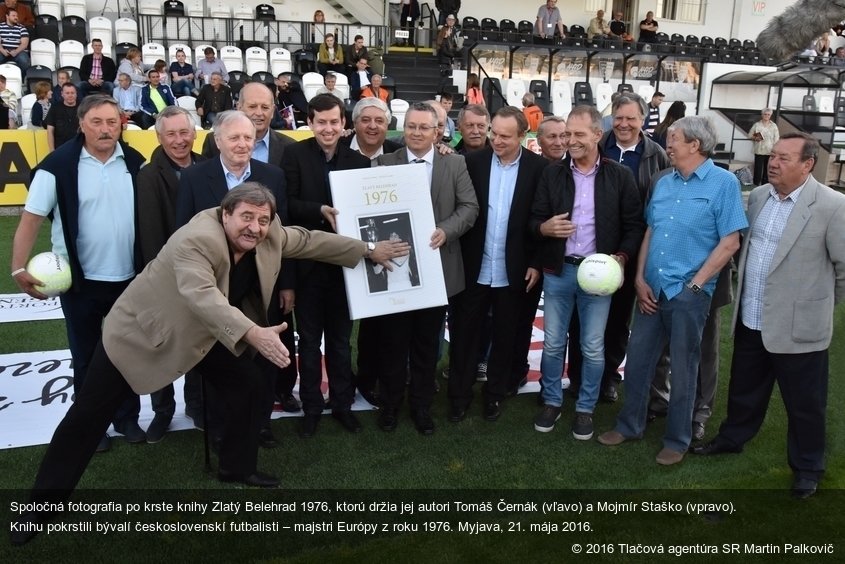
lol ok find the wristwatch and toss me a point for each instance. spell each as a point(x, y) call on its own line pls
point(694, 287)
point(371, 247)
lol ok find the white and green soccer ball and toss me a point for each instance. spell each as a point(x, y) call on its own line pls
point(599, 275)
point(53, 271)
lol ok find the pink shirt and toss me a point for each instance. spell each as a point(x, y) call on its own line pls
point(583, 215)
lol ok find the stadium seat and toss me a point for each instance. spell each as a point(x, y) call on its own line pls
point(242, 11)
point(47, 27)
point(107, 49)
point(625, 87)
point(50, 8)
point(75, 8)
point(265, 13)
point(470, 29)
point(256, 60)
point(199, 51)
point(37, 73)
point(342, 84)
point(577, 31)
point(14, 78)
point(101, 28)
point(72, 72)
point(73, 27)
point(311, 82)
point(190, 103)
point(237, 79)
point(220, 9)
point(132, 126)
point(25, 108)
point(677, 38)
point(583, 94)
point(266, 78)
point(173, 8)
point(604, 92)
point(189, 54)
point(720, 41)
point(121, 49)
point(515, 90)
point(706, 40)
point(280, 61)
point(232, 57)
point(491, 89)
point(541, 94)
point(126, 31)
point(43, 52)
point(70, 53)
point(399, 108)
point(195, 9)
point(151, 52)
point(149, 7)
point(561, 98)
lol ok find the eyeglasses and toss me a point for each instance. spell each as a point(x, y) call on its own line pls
point(420, 128)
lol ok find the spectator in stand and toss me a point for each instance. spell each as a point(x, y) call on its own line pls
point(549, 21)
point(532, 111)
point(209, 65)
point(163, 72)
point(7, 95)
point(618, 28)
point(128, 101)
point(653, 119)
point(8, 116)
point(360, 78)
point(410, 13)
point(290, 101)
point(648, 29)
point(446, 8)
point(598, 27)
point(25, 16)
point(474, 95)
point(675, 112)
point(61, 121)
point(838, 57)
point(62, 76)
point(329, 56)
point(764, 134)
point(551, 136)
point(132, 66)
point(318, 27)
point(97, 71)
point(214, 98)
point(353, 53)
point(182, 76)
point(823, 44)
point(446, 104)
point(154, 98)
point(395, 16)
point(447, 49)
point(42, 93)
point(14, 41)
point(330, 86)
point(375, 90)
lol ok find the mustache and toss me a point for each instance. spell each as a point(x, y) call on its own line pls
point(105, 136)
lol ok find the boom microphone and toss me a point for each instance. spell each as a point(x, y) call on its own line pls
point(798, 26)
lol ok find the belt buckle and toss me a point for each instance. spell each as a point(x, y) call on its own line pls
point(575, 259)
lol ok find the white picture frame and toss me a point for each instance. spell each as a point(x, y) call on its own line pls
point(375, 204)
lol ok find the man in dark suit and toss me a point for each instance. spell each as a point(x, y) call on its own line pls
point(410, 339)
point(200, 302)
point(256, 101)
point(158, 183)
point(97, 71)
point(204, 185)
point(320, 291)
point(497, 254)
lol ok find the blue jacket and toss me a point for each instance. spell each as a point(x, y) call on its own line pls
point(147, 105)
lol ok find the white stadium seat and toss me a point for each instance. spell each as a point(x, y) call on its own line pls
point(100, 28)
point(126, 31)
point(78, 8)
point(256, 60)
point(151, 52)
point(232, 57)
point(280, 61)
point(70, 53)
point(43, 52)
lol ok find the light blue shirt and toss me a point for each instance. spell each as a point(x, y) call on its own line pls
point(106, 242)
point(764, 240)
point(232, 179)
point(129, 99)
point(261, 150)
point(688, 217)
point(494, 271)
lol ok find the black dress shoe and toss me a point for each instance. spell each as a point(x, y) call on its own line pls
point(105, 444)
point(309, 425)
point(492, 411)
point(347, 420)
point(290, 404)
point(802, 488)
point(131, 431)
point(423, 421)
point(713, 447)
point(457, 413)
point(256, 479)
point(387, 419)
point(609, 393)
point(158, 427)
point(266, 438)
point(371, 396)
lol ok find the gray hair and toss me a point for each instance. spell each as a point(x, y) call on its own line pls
point(541, 129)
point(424, 107)
point(253, 193)
point(476, 109)
point(370, 102)
point(173, 111)
point(589, 111)
point(229, 116)
point(630, 98)
point(697, 128)
point(93, 101)
point(124, 75)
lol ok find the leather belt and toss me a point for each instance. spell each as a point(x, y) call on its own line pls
point(573, 259)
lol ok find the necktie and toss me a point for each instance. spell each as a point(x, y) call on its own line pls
point(418, 160)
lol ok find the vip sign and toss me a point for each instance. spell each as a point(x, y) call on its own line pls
point(758, 8)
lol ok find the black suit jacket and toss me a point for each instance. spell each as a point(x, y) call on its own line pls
point(308, 190)
point(109, 68)
point(278, 142)
point(203, 186)
point(520, 247)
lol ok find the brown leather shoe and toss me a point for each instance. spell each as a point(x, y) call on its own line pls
point(612, 438)
point(668, 457)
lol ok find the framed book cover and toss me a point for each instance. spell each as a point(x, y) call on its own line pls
point(379, 204)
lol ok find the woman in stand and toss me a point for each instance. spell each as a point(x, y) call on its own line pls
point(675, 112)
point(764, 134)
point(474, 95)
point(330, 56)
point(42, 93)
point(447, 49)
point(133, 66)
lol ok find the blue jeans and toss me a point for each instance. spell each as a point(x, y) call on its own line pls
point(182, 88)
point(680, 321)
point(561, 295)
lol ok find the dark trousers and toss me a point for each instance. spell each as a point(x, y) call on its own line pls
point(84, 312)
point(469, 312)
point(802, 379)
point(75, 439)
point(761, 169)
point(322, 311)
point(369, 349)
point(523, 332)
point(164, 401)
point(410, 340)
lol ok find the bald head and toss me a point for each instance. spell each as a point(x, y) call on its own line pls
point(256, 101)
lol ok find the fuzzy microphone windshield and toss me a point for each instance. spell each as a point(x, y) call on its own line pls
point(798, 26)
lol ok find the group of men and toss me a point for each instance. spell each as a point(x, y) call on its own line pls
point(549, 24)
point(508, 222)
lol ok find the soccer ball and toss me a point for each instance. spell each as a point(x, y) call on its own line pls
point(599, 275)
point(53, 271)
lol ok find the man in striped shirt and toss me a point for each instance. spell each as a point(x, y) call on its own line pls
point(14, 41)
